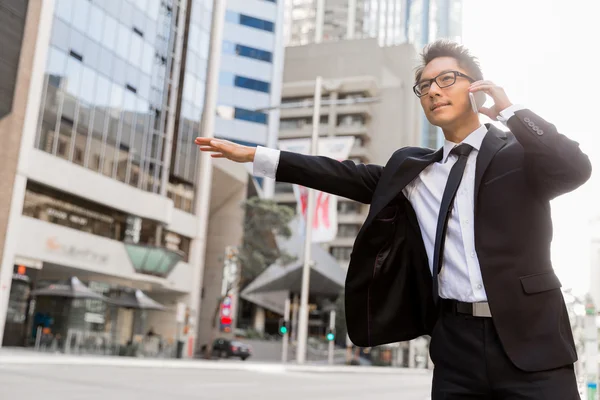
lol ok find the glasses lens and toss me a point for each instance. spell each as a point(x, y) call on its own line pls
point(446, 79)
point(422, 88)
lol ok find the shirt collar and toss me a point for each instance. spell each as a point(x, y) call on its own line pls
point(474, 139)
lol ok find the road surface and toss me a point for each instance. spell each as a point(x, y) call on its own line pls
point(112, 382)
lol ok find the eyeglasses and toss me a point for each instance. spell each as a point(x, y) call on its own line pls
point(443, 80)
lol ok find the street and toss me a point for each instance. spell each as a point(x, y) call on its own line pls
point(91, 382)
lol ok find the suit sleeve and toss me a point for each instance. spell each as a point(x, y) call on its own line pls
point(554, 164)
point(347, 179)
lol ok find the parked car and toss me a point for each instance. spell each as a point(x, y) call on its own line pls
point(225, 348)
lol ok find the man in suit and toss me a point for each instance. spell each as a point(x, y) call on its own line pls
point(475, 216)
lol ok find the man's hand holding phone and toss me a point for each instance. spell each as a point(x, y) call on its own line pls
point(501, 101)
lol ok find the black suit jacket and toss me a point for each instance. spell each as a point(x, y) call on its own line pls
point(389, 286)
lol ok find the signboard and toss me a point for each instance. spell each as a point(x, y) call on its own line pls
point(324, 223)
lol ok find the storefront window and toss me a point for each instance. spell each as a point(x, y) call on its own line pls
point(51, 206)
point(73, 212)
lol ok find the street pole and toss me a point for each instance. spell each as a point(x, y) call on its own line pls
point(295, 308)
point(286, 337)
point(310, 211)
point(591, 351)
point(203, 181)
point(319, 21)
point(331, 342)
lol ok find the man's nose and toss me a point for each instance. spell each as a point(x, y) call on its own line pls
point(434, 89)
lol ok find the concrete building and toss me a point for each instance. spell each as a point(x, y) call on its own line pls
point(352, 69)
point(99, 170)
point(391, 22)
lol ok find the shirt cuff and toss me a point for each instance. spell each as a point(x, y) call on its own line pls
point(508, 112)
point(265, 163)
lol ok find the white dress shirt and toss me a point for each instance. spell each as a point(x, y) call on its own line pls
point(460, 274)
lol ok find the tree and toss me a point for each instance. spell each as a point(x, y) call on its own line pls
point(264, 220)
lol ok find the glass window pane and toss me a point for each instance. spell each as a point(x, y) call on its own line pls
point(204, 39)
point(102, 91)
point(123, 42)
point(116, 96)
point(226, 78)
point(144, 86)
point(88, 84)
point(73, 76)
point(133, 77)
point(60, 35)
point(119, 71)
point(77, 42)
point(64, 9)
point(148, 58)
point(80, 15)
point(136, 48)
point(94, 27)
point(141, 4)
point(110, 33)
point(232, 17)
point(152, 9)
point(105, 63)
point(113, 7)
point(91, 53)
point(126, 14)
point(228, 47)
point(57, 61)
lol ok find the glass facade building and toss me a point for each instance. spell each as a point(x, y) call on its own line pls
point(108, 86)
point(105, 99)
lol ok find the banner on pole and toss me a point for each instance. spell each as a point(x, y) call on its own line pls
point(324, 223)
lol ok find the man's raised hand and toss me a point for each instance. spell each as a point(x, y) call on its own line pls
point(226, 149)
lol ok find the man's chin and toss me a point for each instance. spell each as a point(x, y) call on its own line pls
point(440, 120)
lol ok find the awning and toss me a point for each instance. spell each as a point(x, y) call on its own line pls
point(327, 277)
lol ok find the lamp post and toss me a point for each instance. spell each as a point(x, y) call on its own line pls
point(310, 208)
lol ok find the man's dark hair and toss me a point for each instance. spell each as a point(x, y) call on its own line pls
point(448, 48)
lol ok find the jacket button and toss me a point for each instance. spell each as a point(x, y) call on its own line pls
point(540, 132)
point(531, 124)
point(527, 120)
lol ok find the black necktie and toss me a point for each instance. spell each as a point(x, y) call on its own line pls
point(456, 173)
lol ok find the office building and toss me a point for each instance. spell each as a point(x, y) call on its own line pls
point(381, 113)
point(391, 22)
point(101, 171)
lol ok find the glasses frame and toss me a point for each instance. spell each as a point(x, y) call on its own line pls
point(434, 79)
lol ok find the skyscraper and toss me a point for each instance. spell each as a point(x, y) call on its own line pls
point(390, 21)
point(105, 105)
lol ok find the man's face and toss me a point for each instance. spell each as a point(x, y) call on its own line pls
point(446, 106)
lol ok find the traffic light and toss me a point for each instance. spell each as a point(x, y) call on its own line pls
point(283, 327)
point(330, 334)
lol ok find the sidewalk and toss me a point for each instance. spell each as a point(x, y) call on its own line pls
point(13, 356)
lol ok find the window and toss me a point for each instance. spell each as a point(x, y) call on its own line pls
point(251, 52)
point(252, 22)
point(348, 230)
point(341, 253)
point(347, 207)
point(251, 116)
point(252, 84)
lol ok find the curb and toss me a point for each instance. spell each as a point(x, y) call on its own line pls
point(199, 364)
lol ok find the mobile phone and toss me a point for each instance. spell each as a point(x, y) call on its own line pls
point(477, 101)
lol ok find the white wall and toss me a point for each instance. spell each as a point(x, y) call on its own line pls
point(79, 181)
point(68, 247)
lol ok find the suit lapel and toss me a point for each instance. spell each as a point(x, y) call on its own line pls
point(405, 173)
point(494, 140)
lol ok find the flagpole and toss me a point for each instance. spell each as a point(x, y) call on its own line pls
point(310, 212)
